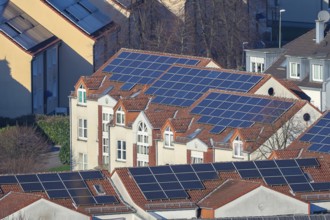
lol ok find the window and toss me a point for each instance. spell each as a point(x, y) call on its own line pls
point(168, 137)
point(238, 147)
point(294, 70)
point(317, 72)
point(121, 150)
point(142, 139)
point(81, 95)
point(196, 160)
point(99, 189)
point(142, 163)
point(120, 116)
point(82, 129)
point(257, 64)
point(82, 162)
point(197, 157)
point(105, 150)
point(106, 118)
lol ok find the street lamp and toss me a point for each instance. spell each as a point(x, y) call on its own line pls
point(280, 28)
point(243, 47)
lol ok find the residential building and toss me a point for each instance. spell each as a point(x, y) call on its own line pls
point(29, 81)
point(62, 195)
point(154, 122)
point(303, 61)
point(92, 102)
point(246, 188)
point(89, 37)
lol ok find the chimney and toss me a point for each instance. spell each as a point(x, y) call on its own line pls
point(323, 17)
point(319, 31)
point(3, 4)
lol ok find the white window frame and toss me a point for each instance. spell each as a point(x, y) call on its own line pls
point(294, 70)
point(142, 163)
point(121, 150)
point(81, 95)
point(168, 138)
point(257, 64)
point(142, 139)
point(317, 72)
point(82, 129)
point(237, 148)
point(106, 118)
point(120, 116)
point(83, 161)
point(196, 157)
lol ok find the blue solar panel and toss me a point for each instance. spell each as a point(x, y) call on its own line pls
point(321, 186)
point(199, 81)
point(8, 180)
point(265, 164)
point(28, 178)
point(244, 165)
point(70, 176)
point(211, 175)
point(302, 187)
point(273, 181)
point(170, 185)
point(270, 172)
point(79, 192)
point(319, 135)
point(48, 177)
point(155, 195)
point(32, 187)
point(227, 111)
point(145, 179)
point(191, 185)
point(176, 194)
point(74, 184)
point(203, 167)
point(106, 199)
point(57, 194)
point(140, 171)
point(150, 187)
point(182, 168)
point(53, 185)
point(91, 175)
point(166, 178)
point(291, 171)
point(186, 176)
point(135, 67)
point(249, 173)
point(296, 179)
point(84, 200)
point(223, 167)
point(127, 86)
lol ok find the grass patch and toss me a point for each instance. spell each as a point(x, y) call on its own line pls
point(60, 168)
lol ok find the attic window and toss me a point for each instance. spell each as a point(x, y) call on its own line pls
point(306, 117)
point(120, 116)
point(271, 91)
point(81, 95)
point(99, 189)
point(238, 148)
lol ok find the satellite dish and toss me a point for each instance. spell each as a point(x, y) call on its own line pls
point(324, 16)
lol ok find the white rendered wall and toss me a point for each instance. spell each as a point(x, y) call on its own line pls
point(262, 202)
point(279, 89)
point(315, 97)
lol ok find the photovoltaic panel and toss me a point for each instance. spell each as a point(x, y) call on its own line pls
point(319, 135)
point(191, 185)
point(232, 110)
point(32, 187)
point(176, 194)
point(166, 178)
point(245, 165)
point(155, 195)
point(321, 186)
point(182, 169)
point(268, 172)
point(28, 178)
point(301, 187)
point(187, 84)
point(140, 171)
point(223, 167)
point(127, 86)
point(79, 192)
point(145, 179)
point(286, 163)
point(58, 194)
point(75, 184)
point(106, 199)
point(210, 175)
point(202, 167)
point(10, 179)
point(249, 173)
point(48, 177)
point(273, 181)
point(86, 200)
point(265, 164)
point(137, 68)
point(161, 169)
point(147, 187)
point(70, 176)
point(53, 185)
point(91, 175)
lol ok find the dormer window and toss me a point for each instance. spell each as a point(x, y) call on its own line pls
point(120, 116)
point(317, 72)
point(81, 95)
point(168, 138)
point(238, 147)
point(294, 69)
point(257, 64)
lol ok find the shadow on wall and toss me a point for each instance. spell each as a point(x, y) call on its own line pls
point(15, 98)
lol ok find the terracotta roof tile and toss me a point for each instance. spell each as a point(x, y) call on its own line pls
point(14, 201)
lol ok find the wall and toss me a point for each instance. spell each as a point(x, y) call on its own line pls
point(227, 155)
point(175, 155)
point(43, 209)
point(180, 214)
point(76, 51)
point(315, 96)
point(121, 133)
point(15, 80)
point(279, 89)
point(130, 216)
point(90, 146)
point(262, 202)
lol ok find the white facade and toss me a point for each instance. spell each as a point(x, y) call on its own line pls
point(44, 209)
point(262, 202)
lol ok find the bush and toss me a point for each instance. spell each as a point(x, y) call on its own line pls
point(57, 129)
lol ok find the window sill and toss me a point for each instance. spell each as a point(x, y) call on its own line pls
point(81, 139)
point(168, 147)
point(121, 161)
point(238, 157)
point(81, 105)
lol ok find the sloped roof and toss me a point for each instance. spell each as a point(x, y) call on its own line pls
point(24, 31)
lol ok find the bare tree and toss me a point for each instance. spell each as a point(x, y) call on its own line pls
point(22, 149)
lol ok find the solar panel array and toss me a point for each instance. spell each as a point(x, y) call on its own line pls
point(22, 28)
point(139, 68)
point(70, 185)
point(182, 86)
point(228, 110)
point(173, 181)
point(319, 135)
point(82, 13)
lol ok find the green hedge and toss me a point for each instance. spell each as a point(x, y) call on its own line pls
point(57, 129)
